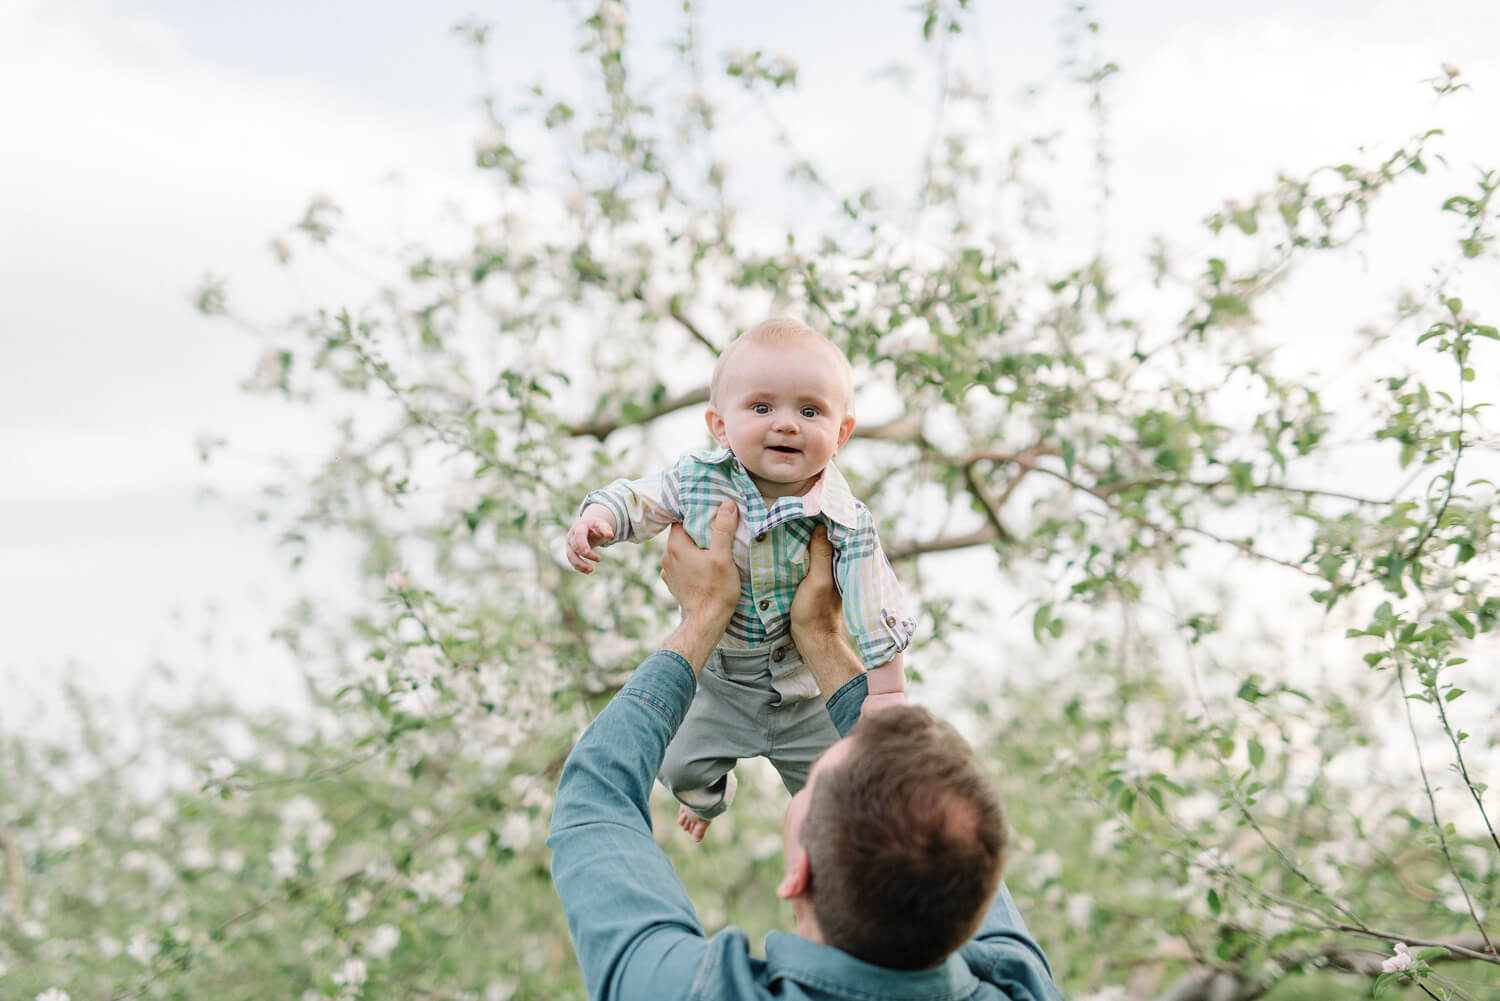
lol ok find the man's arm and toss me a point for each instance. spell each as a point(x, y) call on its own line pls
point(817, 617)
point(633, 925)
point(1004, 953)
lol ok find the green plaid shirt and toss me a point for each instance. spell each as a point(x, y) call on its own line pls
point(770, 547)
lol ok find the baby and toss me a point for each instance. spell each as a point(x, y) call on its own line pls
point(780, 405)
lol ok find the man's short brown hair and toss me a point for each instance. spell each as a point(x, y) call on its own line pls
point(905, 842)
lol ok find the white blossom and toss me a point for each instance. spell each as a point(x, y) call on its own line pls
point(395, 580)
point(1079, 908)
point(351, 974)
point(231, 861)
point(1135, 766)
point(53, 994)
point(423, 660)
point(444, 884)
point(358, 907)
point(141, 948)
point(32, 929)
point(146, 829)
point(221, 768)
point(499, 990)
point(1402, 960)
point(515, 833)
point(67, 839)
point(109, 947)
point(300, 812)
point(382, 941)
point(283, 862)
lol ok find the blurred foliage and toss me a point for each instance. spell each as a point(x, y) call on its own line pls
point(1229, 741)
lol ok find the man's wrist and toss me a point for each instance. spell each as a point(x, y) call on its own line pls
point(829, 658)
point(696, 636)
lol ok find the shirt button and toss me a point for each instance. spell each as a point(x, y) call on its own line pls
point(765, 603)
point(890, 620)
point(761, 537)
point(778, 654)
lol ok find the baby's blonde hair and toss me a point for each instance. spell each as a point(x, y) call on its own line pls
point(781, 329)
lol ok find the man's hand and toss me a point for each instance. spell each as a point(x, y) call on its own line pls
point(705, 583)
point(594, 526)
point(817, 618)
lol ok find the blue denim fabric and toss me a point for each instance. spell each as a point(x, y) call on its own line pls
point(634, 928)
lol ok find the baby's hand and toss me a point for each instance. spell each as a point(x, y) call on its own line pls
point(593, 526)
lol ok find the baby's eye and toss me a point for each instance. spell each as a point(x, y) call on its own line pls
point(761, 408)
point(809, 412)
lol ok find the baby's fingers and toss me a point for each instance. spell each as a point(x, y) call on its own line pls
point(580, 561)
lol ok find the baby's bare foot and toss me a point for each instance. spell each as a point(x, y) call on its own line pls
point(689, 821)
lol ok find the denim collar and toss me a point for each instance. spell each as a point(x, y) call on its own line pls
point(794, 958)
point(836, 499)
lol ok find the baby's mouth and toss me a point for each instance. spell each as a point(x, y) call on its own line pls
point(783, 449)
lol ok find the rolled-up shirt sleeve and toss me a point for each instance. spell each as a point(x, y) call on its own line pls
point(875, 607)
point(641, 508)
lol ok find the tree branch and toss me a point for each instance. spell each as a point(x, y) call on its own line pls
point(602, 429)
point(905, 549)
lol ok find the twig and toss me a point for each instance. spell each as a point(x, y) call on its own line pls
point(675, 311)
point(1437, 824)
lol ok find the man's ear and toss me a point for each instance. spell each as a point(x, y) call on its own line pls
point(797, 879)
point(715, 423)
point(846, 428)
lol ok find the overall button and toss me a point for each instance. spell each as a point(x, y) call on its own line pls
point(778, 654)
point(765, 603)
point(761, 537)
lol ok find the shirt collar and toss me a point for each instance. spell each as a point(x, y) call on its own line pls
point(792, 957)
point(837, 500)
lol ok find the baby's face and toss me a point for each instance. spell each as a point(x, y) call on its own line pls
point(783, 411)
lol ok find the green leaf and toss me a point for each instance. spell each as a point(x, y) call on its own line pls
point(1431, 952)
point(1215, 905)
point(1257, 752)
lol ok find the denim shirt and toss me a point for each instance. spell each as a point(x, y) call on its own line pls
point(634, 928)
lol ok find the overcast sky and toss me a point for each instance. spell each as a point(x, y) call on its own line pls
point(149, 142)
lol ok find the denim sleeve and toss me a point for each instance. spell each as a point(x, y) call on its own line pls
point(633, 926)
point(1004, 953)
point(845, 704)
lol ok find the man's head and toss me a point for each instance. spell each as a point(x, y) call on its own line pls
point(782, 399)
point(895, 846)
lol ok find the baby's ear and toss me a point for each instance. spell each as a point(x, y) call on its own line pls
point(715, 423)
point(846, 428)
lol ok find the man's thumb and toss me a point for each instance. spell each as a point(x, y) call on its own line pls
point(726, 519)
point(819, 548)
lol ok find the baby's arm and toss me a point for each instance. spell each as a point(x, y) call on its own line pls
point(624, 511)
point(887, 684)
point(874, 613)
point(595, 525)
